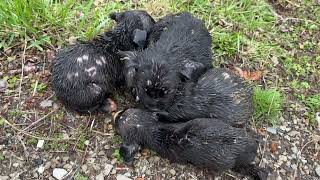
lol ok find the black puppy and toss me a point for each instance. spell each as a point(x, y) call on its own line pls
point(219, 93)
point(182, 52)
point(205, 143)
point(85, 75)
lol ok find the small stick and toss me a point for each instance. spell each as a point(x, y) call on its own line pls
point(37, 121)
point(22, 67)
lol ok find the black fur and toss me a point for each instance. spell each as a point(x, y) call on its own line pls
point(205, 143)
point(86, 74)
point(219, 93)
point(182, 52)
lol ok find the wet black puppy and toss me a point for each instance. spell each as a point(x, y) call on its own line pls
point(182, 52)
point(219, 93)
point(205, 143)
point(85, 75)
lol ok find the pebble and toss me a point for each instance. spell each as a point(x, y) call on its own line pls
point(101, 153)
point(128, 174)
point(4, 177)
point(272, 130)
point(3, 84)
point(84, 168)
point(59, 173)
point(46, 103)
point(283, 158)
point(100, 177)
point(122, 177)
point(293, 133)
point(318, 170)
point(107, 169)
point(172, 171)
point(41, 169)
point(40, 143)
point(15, 164)
point(107, 146)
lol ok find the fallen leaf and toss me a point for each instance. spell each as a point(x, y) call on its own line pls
point(247, 75)
point(139, 178)
point(273, 147)
point(261, 131)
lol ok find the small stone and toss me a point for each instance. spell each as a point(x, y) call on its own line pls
point(318, 170)
point(107, 169)
point(148, 172)
point(87, 142)
point(272, 130)
point(283, 128)
point(59, 173)
point(3, 84)
point(100, 177)
point(107, 146)
point(127, 174)
point(46, 103)
point(293, 133)
point(4, 177)
point(283, 158)
point(84, 168)
point(172, 172)
point(41, 169)
point(294, 149)
point(65, 136)
point(156, 159)
point(15, 164)
point(40, 143)
point(101, 153)
point(122, 177)
point(114, 171)
point(65, 159)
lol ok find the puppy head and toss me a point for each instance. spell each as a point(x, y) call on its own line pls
point(128, 151)
point(137, 23)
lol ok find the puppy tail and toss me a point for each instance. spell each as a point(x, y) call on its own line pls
point(251, 170)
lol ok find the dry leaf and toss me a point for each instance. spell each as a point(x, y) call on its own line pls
point(273, 147)
point(261, 131)
point(247, 75)
point(139, 178)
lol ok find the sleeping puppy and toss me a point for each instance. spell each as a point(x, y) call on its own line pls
point(219, 93)
point(181, 53)
point(85, 75)
point(206, 143)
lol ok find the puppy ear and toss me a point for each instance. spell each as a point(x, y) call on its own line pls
point(140, 37)
point(115, 16)
point(128, 151)
point(192, 70)
point(127, 55)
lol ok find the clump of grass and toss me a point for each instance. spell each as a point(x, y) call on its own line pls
point(116, 154)
point(268, 105)
point(79, 176)
point(313, 103)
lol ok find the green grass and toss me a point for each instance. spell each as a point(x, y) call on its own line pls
point(267, 105)
point(313, 104)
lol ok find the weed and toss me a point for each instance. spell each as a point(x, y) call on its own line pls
point(1, 157)
point(313, 103)
point(116, 154)
point(31, 141)
point(1, 121)
point(267, 105)
point(79, 176)
point(40, 87)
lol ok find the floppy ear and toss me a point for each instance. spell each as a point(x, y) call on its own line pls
point(127, 55)
point(115, 16)
point(140, 37)
point(191, 70)
point(128, 151)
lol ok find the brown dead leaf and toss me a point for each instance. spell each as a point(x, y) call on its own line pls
point(262, 131)
point(247, 75)
point(273, 147)
point(139, 178)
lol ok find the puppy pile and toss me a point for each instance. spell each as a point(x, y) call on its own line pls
point(192, 113)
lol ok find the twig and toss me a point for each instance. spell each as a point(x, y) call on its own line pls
point(22, 68)
point(37, 121)
point(33, 136)
point(24, 147)
point(101, 133)
point(264, 149)
point(35, 88)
